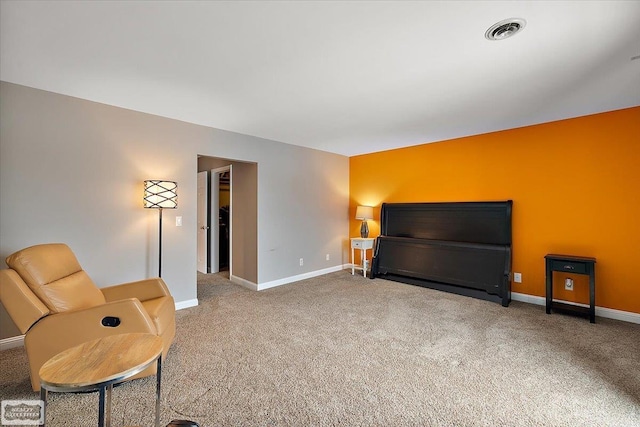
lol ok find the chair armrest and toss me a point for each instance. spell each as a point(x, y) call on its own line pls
point(143, 290)
point(60, 331)
point(85, 325)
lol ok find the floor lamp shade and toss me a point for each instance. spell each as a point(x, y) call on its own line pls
point(160, 195)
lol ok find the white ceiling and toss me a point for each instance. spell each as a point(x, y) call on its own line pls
point(345, 77)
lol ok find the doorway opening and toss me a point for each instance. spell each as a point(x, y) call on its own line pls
point(227, 218)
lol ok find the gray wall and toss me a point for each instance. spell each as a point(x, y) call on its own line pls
point(71, 171)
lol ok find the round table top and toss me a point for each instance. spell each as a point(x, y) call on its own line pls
point(100, 362)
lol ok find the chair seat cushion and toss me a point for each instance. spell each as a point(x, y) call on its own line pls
point(162, 312)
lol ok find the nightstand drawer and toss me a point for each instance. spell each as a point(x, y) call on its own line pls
point(356, 244)
point(569, 267)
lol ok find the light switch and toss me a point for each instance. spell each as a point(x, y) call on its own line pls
point(178, 221)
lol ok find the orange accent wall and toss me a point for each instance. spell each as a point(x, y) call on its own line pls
point(575, 186)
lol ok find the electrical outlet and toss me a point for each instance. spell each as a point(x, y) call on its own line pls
point(327, 257)
point(568, 284)
point(301, 262)
point(517, 277)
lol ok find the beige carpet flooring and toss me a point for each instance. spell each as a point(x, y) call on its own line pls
point(341, 350)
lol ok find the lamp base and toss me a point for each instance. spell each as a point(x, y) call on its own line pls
point(364, 230)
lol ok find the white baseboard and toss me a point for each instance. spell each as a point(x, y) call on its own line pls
point(609, 313)
point(11, 342)
point(531, 299)
point(243, 282)
point(279, 282)
point(186, 304)
point(298, 277)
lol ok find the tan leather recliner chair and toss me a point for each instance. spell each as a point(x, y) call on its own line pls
point(52, 300)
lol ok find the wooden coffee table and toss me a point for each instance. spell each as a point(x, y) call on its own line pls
point(99, 364)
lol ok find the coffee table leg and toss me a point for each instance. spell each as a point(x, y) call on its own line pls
point(158, 381)
point(108, 413)
point(101, 407)
point(43, 397)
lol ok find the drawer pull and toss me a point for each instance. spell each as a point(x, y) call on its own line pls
point(569, 267)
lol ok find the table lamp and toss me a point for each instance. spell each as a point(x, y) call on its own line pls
point(364, 213)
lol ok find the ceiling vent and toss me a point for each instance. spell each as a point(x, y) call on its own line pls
point(505, 29)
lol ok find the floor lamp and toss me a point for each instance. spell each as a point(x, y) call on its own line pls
point(160, 195)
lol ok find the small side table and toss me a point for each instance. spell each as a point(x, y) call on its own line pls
point(361, 243)
point(574, 265)
point(99, 364)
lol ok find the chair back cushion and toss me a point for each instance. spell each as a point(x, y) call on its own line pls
point(23, 306)
point(53, 273)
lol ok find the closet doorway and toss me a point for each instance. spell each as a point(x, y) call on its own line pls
point(229, 215)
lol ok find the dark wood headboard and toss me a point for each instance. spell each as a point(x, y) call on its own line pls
point(461, 247)
point(471, 222)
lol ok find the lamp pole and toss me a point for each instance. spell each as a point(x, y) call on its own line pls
point(160, 242)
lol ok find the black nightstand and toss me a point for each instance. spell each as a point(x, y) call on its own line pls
point(573, 265)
